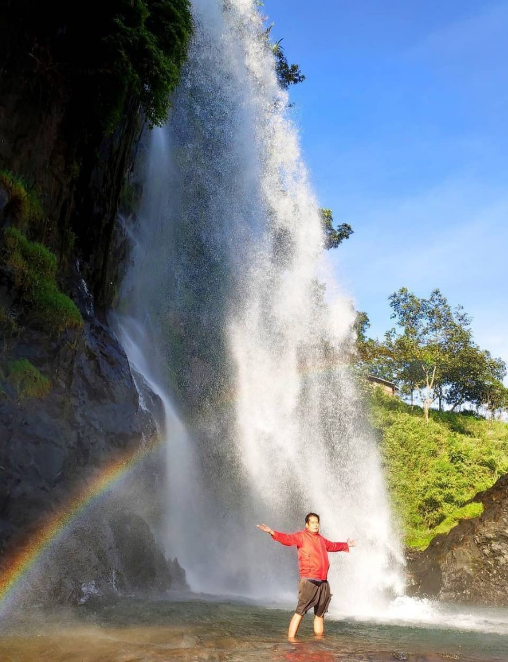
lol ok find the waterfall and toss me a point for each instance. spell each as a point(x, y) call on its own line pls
point(226, 282)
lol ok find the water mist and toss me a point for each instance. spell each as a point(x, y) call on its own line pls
point(225, 289)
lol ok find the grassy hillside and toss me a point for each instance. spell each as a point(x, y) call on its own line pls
point(434, 469)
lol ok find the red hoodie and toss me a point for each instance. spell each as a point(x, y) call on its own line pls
point(312, 551)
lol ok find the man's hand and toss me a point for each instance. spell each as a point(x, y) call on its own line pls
point(265, 528)
point(351, 543)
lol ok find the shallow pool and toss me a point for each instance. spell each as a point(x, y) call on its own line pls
point(195, 630)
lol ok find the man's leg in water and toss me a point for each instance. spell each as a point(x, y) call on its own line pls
point(294, 625)
point(319, 625)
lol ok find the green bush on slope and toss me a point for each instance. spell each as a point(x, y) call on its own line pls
point(433, 470)
point(33, 268)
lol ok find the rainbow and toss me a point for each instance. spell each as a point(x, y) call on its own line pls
point(17, 567)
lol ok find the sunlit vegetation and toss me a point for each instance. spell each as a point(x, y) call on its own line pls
point(431, 354)
point(334, 236)
point(434, 469)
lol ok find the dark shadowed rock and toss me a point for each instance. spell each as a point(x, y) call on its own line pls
point(53, 448)
point(90, 416)
point(470, 563)
point(112, 552)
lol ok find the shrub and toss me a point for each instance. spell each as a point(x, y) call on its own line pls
point(134, 51)
point(25, 206)
point(29, 261)
point(27, 380)
point(34, 268)
point(53, 309)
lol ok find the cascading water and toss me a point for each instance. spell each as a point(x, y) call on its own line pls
point(226, 275)
point(183, 487)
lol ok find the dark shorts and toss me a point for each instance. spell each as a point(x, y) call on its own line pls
point(315, 594)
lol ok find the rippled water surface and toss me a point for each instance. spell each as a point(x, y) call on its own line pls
point(197, 630)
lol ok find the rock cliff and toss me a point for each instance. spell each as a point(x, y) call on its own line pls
point(470, 563)
point(71, 114)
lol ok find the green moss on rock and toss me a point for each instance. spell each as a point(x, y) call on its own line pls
point(27, 380)
point(33, 269)
point(25, 206)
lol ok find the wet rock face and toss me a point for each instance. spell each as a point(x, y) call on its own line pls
point(54, 448)
point(111, 553)
point(51, 447)
point(470, 563)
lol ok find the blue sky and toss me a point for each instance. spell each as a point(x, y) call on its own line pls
point(403, 120)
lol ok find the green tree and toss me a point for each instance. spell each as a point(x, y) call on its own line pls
point(334, 236)
point(425, 349)
point(495, 396)
point(470, 375)
point(287, 74)
point(370, 353)
point(432, 353)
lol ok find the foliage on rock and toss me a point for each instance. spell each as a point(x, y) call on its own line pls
point(148, 45)
point(287, 74)
point(33, 268)
point(27, 381)
point(113, 52)
point(334, 236)
point(24, 205)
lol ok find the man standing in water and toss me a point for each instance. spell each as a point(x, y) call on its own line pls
point(313, 563)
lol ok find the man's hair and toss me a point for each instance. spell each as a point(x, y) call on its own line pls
point(309, 515)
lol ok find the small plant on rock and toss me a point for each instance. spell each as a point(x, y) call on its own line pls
point(27, 380)
point(33, 268)
point(25, 205)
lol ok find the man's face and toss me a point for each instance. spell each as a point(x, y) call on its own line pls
point(312, 525)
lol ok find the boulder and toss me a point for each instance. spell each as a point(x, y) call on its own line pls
point(470, 563)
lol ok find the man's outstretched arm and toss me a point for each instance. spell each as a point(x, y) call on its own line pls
point(288, 539)
point(339, 546)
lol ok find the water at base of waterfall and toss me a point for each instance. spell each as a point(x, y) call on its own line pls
point(198, 628)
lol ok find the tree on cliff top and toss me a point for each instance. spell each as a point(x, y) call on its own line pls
point(429, 346)
point(432, 352)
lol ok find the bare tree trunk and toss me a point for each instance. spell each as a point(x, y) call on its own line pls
point(428, 401)
point(424, 399)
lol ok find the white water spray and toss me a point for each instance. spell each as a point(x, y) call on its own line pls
point(183, 486)
point(297, 409)
point(230, 249)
